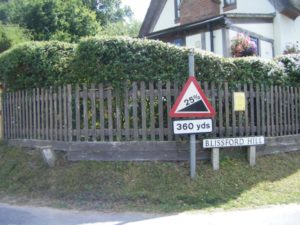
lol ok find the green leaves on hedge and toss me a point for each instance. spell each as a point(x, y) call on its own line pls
point(118, 59)
point(291, 66)
point(37, 64)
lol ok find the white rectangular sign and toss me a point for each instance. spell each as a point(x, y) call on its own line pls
point(233, 142)
point(192, 126)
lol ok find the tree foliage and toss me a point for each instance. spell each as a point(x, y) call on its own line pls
point(5, 43)
point(129, 29)
point(11, 35)
point(108, 11)
point(51, 19)
point(63, 20)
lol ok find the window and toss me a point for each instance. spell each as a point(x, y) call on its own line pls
point(229, 3)
point(177, 9)
point(178, 42)
point(256, 41)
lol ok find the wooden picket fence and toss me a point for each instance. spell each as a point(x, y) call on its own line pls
point(139, 112)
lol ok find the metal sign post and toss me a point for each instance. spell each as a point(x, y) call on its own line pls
point(192, 136)
point(192, 103)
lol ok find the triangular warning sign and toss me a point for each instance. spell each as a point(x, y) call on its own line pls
point(192, 102)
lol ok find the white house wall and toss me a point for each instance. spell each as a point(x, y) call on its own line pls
point(266, 50)
point(167, 17)
point(263, 29)
point(253, 6)
point(297, 30)
point(218, 42)
point(232, 34)
point(194, 41)
point(285, 31)
point(207, 41)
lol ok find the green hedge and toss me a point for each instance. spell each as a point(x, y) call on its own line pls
point(120, 59)
point(291, 65)
point(38, 64)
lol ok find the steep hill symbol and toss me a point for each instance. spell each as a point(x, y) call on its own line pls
point(198, 106)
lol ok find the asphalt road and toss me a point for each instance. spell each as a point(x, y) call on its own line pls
point(26, 215)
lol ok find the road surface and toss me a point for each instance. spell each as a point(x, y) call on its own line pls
point(27, 215)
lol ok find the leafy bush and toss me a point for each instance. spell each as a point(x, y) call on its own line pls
point(291, 48)
point(116, 60)
point(36, 64)
point(15, 33)
point(291, 65)
point(257, 70)
point(5, 43)
point(119, 59)
point(51, 19)
point(11, 35)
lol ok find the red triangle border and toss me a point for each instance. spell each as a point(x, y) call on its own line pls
point(210, 114)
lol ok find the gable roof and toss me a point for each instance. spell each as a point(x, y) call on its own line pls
point(152, 15)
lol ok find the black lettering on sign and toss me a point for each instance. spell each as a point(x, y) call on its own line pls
point(179, 127)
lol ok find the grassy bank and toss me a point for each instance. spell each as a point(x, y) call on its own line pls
point(149, 186)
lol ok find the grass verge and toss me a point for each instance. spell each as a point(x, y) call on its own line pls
point(149, 186)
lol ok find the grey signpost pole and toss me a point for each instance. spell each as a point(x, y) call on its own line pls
point(192, 136)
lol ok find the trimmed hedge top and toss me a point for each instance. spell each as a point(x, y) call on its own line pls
point(118, 59)
point(37, 64)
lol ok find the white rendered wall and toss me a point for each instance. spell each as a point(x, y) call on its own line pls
point(263, 29)
point(297, 30)
point(232, 34)
point(207, 41)
point(266, 50)
point(218, 42)
point(194, 41)
point(286, 31)
point(253, 6)
point(167, 17)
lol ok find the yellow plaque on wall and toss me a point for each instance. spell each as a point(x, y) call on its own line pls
point(239, 101)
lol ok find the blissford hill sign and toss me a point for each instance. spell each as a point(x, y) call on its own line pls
point(233, 142)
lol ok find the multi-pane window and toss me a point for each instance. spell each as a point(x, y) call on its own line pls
point(177, 9)
point(229, 2)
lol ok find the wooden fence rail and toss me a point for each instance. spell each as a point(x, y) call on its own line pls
point(99, 113)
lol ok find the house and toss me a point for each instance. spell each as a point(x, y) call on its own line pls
point(212, 24)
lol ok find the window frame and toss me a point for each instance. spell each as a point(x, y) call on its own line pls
point(177, 4)
point(232, 3)
point(229, 6)
point(256, 40)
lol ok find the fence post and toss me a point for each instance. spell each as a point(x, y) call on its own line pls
point(1, 113)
